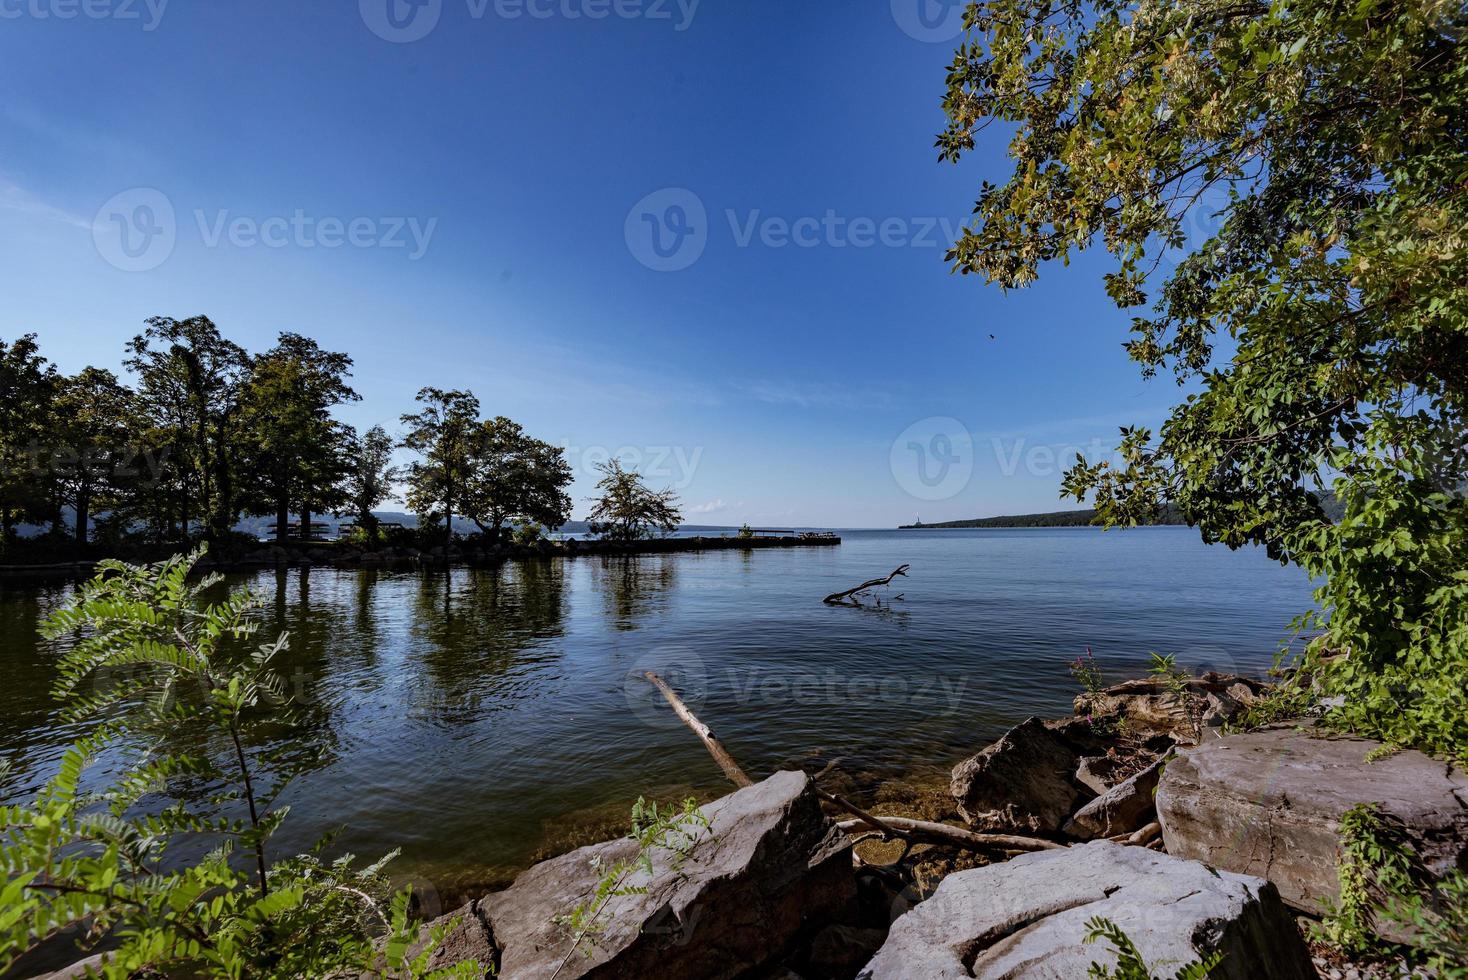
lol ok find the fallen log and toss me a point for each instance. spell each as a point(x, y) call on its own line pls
point(710, 741)
point(912, 831)
point(927, 832)
point(836, 598)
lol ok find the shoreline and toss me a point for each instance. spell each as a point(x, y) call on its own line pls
point(335, 555)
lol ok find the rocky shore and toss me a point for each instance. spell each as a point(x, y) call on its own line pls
point(1140, 812)
point(1192, 842)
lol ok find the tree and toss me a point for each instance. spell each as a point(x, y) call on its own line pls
point(190, 379)
point(370, 476)
point(299, 450)
point(92, 451)
point(514, 477)
point(442, 435)
point(627, 509)
point(1322, 143)
point(27, 388)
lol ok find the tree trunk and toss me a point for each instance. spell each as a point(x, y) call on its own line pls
point(305, 522)
point(83, 508)
point(282, 519)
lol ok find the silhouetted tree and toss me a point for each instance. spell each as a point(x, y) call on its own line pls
point(627, 509)
point(514, 477)
point(27, 388)
point(299, 451)
point(370, 476)
point(442, 435)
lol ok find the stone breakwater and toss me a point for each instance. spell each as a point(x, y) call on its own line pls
point(340, 555)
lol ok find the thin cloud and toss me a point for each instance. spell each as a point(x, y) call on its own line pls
point(14, 197)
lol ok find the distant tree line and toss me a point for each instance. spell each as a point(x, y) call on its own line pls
point(208, 433)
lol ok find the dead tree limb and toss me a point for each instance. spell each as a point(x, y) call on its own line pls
point(901, 828)
point(710, 741)
point(941, 833)
point(836, 598)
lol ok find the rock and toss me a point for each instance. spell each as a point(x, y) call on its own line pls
point(1269, 803)
point(1020, 783)
point(1120, 810)
point(771, 869)
point(1097, 772)
point(1149, 703)
point(1026, 918)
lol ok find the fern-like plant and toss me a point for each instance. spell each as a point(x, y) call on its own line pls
point(157, 660)
point(676, 830)
point(1129, 962)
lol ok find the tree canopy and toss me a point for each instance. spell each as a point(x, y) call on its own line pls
point(628, 510)
point(211, 433)
point(1322, 326)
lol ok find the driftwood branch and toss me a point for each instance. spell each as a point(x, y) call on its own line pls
point(901, 828)
point(838, 597)
point(710, 741)
point(925, 831)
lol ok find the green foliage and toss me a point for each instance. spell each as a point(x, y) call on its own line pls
point(1321, 323)
point(628, 510)
point(298, 454)
point(1383, 882)
point(513, 477)
point(1178, 683)
point(675, 830)
point(1129, 962)
point(173, 691)
point(745, 531)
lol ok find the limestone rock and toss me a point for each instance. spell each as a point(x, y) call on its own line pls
point(1269, 803)
point(1023, 782)
point(1120, 810)
point(1025, 919)
point(770, 868)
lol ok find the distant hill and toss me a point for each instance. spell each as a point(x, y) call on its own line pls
point(1059, 518)
point(1081, 518)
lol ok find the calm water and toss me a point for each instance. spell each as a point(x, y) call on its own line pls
point(477, 718)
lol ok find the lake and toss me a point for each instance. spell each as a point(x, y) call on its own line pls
point(480, 718)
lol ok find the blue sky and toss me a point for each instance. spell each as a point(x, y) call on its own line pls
point(706, 236)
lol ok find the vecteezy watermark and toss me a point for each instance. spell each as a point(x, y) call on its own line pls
point(1016, 455)
point(148, 13)
point(137, 231)
point(674, 466)
point(680, 668)
point(933, 459)
point(405, 21)
point(932, 21)
point(669, 230)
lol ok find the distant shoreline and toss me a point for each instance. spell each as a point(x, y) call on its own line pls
point(1060, 518)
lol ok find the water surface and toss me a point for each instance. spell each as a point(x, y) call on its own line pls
point(479, 718)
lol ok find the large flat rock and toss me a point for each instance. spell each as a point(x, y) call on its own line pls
point(770, 868)
point(1026, 919)
point(1269, 803)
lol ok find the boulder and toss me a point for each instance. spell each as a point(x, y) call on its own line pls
point(1149, 703)
point(1026, 918)
point(1269, 803)
point(1122, 809)
point(1097, 772)
point(771, 869)
point(1022, 783)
